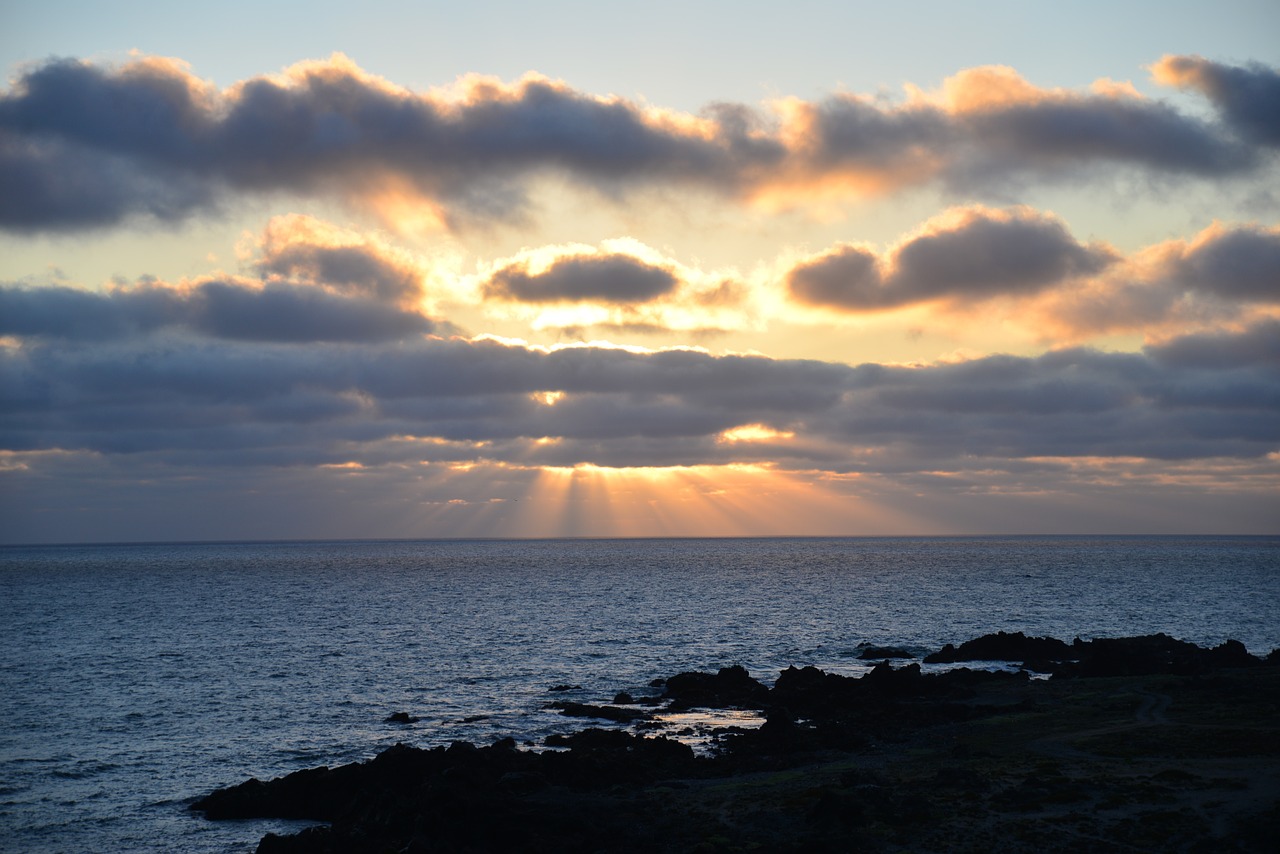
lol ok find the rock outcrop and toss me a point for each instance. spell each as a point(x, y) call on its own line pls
point(980, 755)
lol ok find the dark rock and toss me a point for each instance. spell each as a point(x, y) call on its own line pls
point(778, 728)
point(876, 653)
point(809, 691)
point(559, 689)
point(400, 718)
point(608, 713)
point(610, 790)
point(1232, 653)
point(730, 688)
point(312, 840)
point(1003, 646)
point(522, 782)
point(886, 679)
point(622, 698)
point(592, 739)
point(1150, 655)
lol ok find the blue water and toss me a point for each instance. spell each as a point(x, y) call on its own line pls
point(135, 678)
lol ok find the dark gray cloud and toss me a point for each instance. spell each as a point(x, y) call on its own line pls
point(988, 255)
point(1257, 347)
point(1247, 96)
point(196, 402)
point(845, 131)
point(220, 309)
point(1239, 264)
point(354, 270)
point(1061, 136)
point(327, 129)
point(84, 145)
point(610, 278)
point(49, 183)
point(846, 277)
point(981, 255)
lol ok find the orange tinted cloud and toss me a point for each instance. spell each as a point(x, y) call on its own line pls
point(1247, 97)
point(85, 145)
point(1223, 277)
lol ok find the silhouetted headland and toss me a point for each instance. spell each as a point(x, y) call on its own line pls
point(1146, 743)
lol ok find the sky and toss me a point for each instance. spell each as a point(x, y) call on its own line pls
point(306, 270)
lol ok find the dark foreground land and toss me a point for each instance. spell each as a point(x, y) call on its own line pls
point(1137, 744)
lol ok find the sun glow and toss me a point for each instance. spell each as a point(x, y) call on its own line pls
point(702, 500)
point(754, 433)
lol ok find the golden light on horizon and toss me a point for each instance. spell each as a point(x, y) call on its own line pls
point(736, 499)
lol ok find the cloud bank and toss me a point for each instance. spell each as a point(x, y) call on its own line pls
point(85, 145)
point(340, 367)
point(252, 403)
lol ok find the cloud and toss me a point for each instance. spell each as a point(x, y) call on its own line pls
point(322, 128)
point(608, 278)
point(219, 308)
point(1011, 126)
point(1248, 96)
point(227, 402)
point(86, 145)
point(1237, 264)
point(1255, 347)
point(622, 284)
point(304, 249)
point(1223, 274)
point(845, 277)
point(318, 283)
point(968, 254)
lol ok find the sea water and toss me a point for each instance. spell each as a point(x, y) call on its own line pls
point(135, 678)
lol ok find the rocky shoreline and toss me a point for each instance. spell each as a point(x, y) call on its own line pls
point(1146, 743)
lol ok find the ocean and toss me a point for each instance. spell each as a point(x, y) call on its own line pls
point(135, 678)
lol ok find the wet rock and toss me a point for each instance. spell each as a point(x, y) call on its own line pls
point(622, 698)
point(400, 718)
